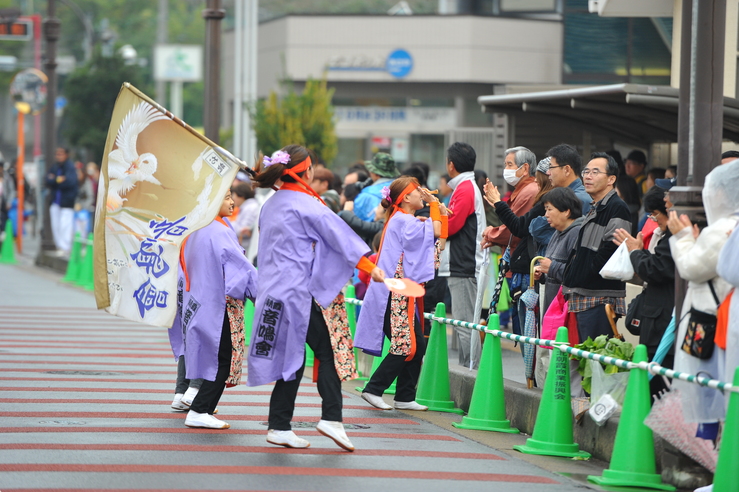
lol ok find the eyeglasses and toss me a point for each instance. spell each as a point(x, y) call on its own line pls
point(594, 172)
point(653, 215)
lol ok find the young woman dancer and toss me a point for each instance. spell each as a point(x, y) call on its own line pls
point(407, 248)
point(307, 254)
point(214, 280)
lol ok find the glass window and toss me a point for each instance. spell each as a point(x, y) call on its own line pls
point(528, 6)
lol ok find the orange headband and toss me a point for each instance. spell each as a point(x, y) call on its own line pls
point(299, 168)
point(408, 189)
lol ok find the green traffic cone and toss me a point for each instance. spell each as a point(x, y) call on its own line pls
point(86, 278)
point(376, 361)
point(7, 253)
point(632, 461)
point(309, 356)
point(728, 456)
point(73, 265)
point(487, 406)
point(248, 320)
point(351, 318)
point(433, 384)
point(553, 434)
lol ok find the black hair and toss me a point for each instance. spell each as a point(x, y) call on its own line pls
point(481, 178)
point(426, 170)
point(628, 190)
point(462, 156)
point(267, 177)
point(415, 172)
point(351, 191)
point(656, 173)
point(376, 241)
point(619, 160)
point(611, 166)
point(567, 155)
point(734, 154)
point(243, 190)
point(638, 157)
point(654, 200)
point(564, 199)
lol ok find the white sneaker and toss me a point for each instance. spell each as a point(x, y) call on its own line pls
point(189, 396)
point(376, 401)
point(204, 420)
point(286, 438)
point(177, 402)
point(335, 431)
point(410, 405)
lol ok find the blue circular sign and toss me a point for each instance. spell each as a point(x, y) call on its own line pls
point(399, 63)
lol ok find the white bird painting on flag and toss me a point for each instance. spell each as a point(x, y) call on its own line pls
point(126, 168)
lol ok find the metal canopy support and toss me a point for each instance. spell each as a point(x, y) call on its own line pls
point(52, 28)
point(213, 15)
point(700, 127)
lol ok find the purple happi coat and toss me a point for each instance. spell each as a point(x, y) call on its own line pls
point(216, 267)
point(305, 251)
point(414, 239)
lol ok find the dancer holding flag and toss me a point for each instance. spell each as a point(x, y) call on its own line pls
point(407, 248)
point(306, 256)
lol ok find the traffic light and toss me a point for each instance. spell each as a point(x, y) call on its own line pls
point(19, 30)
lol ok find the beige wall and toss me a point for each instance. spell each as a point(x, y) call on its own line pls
point(453, 49)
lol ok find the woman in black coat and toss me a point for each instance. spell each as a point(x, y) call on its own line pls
point(650, 314)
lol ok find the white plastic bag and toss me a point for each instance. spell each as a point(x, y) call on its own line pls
point(619, 266)
point(607, 392)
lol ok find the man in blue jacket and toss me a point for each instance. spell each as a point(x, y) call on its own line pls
point(382, 171)
point(62, 184)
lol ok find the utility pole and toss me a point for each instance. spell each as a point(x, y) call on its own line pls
point(213, 15)
point(162, 36)
point(701, 109)
point(52, 28)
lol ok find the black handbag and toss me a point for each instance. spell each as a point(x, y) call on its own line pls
point(633, 314)
point(699, 337)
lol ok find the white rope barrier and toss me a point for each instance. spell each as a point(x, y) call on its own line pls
point(651, 367)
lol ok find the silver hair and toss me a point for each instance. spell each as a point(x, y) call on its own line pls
point(522, 156)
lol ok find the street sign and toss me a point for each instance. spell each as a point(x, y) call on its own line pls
point(20, 30)
point(178, 62)
point(28, 90)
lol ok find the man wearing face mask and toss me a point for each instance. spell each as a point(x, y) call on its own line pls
point(520, 166)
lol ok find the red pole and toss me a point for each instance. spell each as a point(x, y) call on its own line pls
point(19, 184)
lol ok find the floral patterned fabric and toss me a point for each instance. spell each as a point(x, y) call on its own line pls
point(341, 338)
point(401, 327)
point(235, 311)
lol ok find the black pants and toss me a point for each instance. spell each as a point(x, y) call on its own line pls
point(182, 382)
point(593, 323)
point(395, 366)
point(282, 402)
point(210, 392)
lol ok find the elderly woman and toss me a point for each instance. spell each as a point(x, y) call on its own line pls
point(649, 314)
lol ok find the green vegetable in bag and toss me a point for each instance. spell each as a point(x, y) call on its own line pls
point(602, 345)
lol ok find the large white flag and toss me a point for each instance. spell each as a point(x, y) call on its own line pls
point(160, 181)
